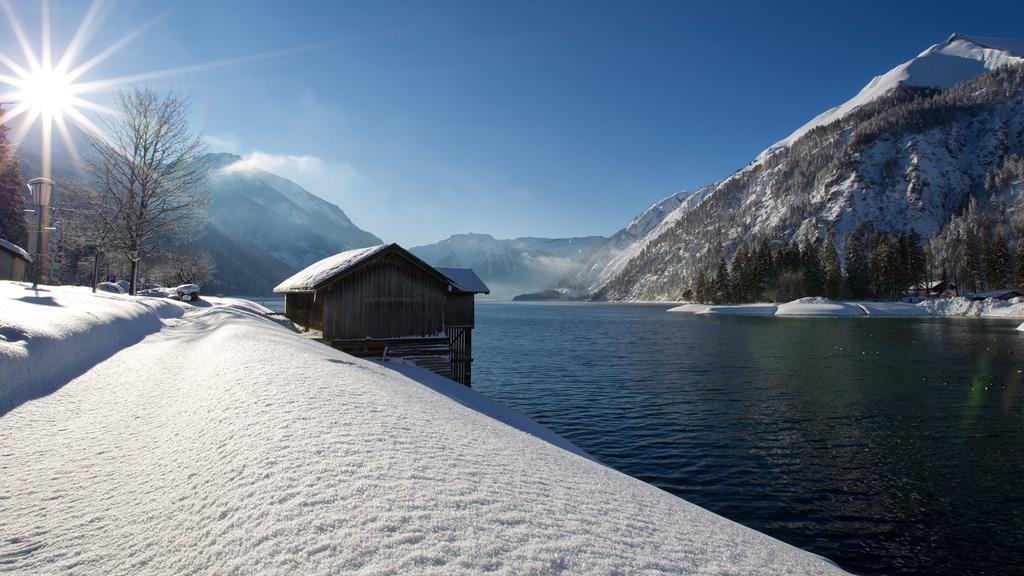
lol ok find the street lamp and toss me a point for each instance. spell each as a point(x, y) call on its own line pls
point(42, 189)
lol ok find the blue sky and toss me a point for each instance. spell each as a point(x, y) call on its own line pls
point(425, 119)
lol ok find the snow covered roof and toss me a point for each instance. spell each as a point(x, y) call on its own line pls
point(318, 274)
point(929, 285)
point(465, 280)
point(14, 249)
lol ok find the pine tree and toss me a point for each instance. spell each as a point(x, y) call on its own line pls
point(765, 269)
point(810, 264)
point(791, 257)
point(831, 268)
point(997, 264)
point(973, 264)
point(917, 263)
point(858, 275)
point(723, 284)
point(975, 242)
point(743, 276)
point(902, 278)
point(13, 226)
point(882, 262)
point(700, 287)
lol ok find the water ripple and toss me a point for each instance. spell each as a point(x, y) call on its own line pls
point(891, 446)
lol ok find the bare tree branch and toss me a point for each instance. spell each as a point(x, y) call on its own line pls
point(149, 171)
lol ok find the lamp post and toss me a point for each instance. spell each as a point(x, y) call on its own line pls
point(42, 188)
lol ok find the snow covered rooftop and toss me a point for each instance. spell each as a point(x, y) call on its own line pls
point(465, 280)
point(316, 274)
point(322, 272)
point(928, 285)
point(152, 436)
point(14, 249)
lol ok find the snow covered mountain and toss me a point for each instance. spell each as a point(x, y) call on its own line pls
point(604, 260)
point(509, 267)
point(263, 227)
point(940, 66)
point(910, 149)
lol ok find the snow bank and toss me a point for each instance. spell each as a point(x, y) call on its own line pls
point(817, 306)
point(226, 444)
point(479, 403)
point(988, 308)
point(892, 309)
point(50, 335)
point(110, 287)
point(742, 310)
point(691, 308)
point(186, 290)
point(727, 310)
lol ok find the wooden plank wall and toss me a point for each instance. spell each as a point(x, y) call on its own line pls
point(12, 268)
point(389, 298)
point(460, 310)
point(304, 309)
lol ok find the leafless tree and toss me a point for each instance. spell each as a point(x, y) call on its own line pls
point(84, 238)
point(189, 267)
point(149, 171)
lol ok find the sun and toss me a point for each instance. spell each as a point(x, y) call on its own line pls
point(42, 90)
point(46, 92)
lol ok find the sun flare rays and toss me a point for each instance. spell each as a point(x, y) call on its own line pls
point(42, 91)
point(41, 87)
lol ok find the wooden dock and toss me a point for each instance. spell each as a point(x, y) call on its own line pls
point(431, 353)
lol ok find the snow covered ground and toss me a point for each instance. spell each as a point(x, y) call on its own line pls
point(893, 309)
point(818, 307)
point(962, 307)
point(728, 309)
point(988, 308)
point(162, 437)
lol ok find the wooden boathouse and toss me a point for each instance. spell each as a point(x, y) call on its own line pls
point(383, 301)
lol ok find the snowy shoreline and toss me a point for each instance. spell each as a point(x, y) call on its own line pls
point(212, 439)
point(823, 307)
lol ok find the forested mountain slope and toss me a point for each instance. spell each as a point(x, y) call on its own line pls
point(908, 152)
point(912, 159)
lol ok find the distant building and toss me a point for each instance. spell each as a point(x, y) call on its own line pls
point(15, 262)
point(932, 289)
point(383, 301)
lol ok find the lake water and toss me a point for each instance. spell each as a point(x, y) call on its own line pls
point(891, 446)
